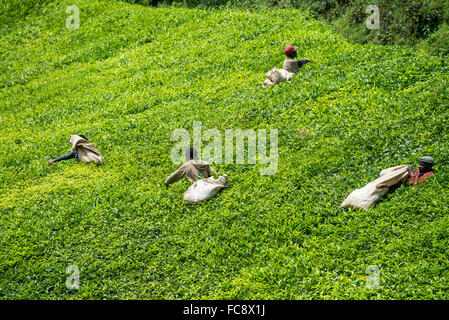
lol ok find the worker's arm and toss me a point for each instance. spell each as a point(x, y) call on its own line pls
point(175, 176)
point(410, 171)
point(302, 62)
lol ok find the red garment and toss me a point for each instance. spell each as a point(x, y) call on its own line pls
point(420, 177)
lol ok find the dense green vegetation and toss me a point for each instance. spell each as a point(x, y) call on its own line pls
point(131, 74)
point(413, 22)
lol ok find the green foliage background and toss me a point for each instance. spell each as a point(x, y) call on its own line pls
point(131, 75)
point(412, 22)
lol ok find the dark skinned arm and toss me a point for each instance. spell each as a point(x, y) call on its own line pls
point(410, 171)
point(302, 62)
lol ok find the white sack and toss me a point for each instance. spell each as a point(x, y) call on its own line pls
point(205, 189)
point(364, 197)
point(276, 76)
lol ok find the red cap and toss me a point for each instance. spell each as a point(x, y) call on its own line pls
point(289, 50)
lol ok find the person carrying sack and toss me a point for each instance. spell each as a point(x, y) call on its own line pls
point(290, 63)
point(82, 150)
point(423, 172)
point(199, 172)
point(192, 170)
point(290, 67)
point(364, 197)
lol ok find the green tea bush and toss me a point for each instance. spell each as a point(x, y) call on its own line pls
point(438, 42)
point(402, 22)
point(131, 75)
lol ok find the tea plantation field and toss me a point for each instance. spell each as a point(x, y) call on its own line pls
point(131, 75)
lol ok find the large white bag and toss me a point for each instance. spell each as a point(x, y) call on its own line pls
point(205, 189)
point(364, 197)
point(276, 76)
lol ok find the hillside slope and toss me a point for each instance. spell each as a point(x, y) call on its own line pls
point(132, 75)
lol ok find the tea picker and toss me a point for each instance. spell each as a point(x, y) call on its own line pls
point(290, 68)
point(423, 172)
point(82, 150)
point(290, 64)
point(204, 186)
point(364, 197)
point(193, 170)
